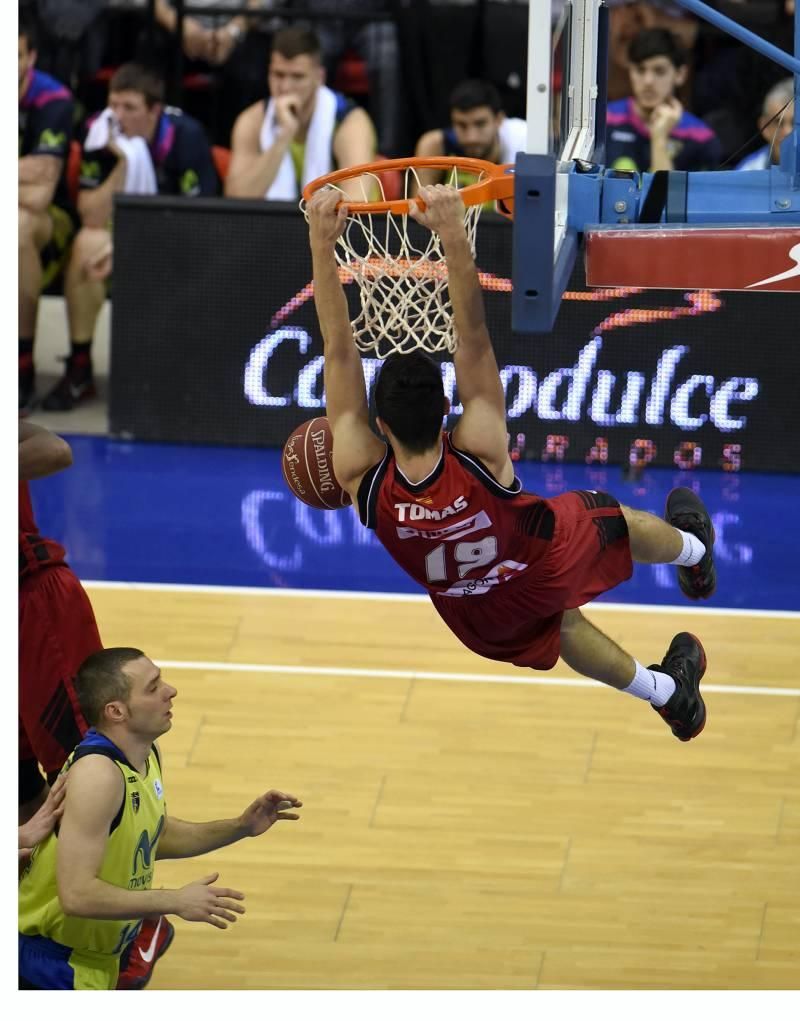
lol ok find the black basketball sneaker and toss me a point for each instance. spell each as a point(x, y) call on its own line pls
point(685, 510)
point(685, 662)
point(74, 387)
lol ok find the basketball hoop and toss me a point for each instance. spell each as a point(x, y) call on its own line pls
point(402, 283)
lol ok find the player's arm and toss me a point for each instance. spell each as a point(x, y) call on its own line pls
point(482, 427)
point(356, 448)
point(38, 177)
point(664, 118)
point(252, 171)
point(40, 170)
point(103, 174)
point(429, 144)
point(181, 839)
point(41, 452)
point(95, 790)
point(41, 825)
point(353, 144)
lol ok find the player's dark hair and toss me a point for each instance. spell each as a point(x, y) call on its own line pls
point(297, 42)
point(28, 31)
point(409, 397)
point(138, 78)
point(102, 679)
point(474, 92)
point(656, 42)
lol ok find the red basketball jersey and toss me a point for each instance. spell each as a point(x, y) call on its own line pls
point(34, 551)
point(458, 532)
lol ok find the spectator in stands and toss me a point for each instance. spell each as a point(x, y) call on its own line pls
point(227, 49)
point(376, 43)
point(47, 220)
point(775, 123)
point(478, 129)
point(135, 145)
point(650, 130)
point(303, 130)
point(627, 18)
point(205, 36)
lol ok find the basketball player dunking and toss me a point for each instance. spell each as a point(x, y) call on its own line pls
point(506, 570)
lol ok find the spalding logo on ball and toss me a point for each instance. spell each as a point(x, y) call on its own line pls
point(307, 464)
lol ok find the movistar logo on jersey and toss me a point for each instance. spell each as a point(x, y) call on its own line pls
point(145, 848)
point(90, 169)
point(190, 183)
point(50, 139)
point(415, 512)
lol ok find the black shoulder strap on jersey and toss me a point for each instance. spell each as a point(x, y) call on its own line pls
point(368, 490)
point(476, 467)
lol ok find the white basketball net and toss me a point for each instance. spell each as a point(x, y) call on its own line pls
point(405, 303)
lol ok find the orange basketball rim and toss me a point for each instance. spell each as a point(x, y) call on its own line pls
point(495, 182)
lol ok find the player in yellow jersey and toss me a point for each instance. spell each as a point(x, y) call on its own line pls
point(88, 884)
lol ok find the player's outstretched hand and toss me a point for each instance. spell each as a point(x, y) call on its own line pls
point(266, 811)
point(202, 902)
point(325, 221)
point(440, 208)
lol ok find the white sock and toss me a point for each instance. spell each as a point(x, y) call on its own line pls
point(653, 686)
point(693, 550)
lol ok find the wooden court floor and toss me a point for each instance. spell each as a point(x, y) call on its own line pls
point(463, 831)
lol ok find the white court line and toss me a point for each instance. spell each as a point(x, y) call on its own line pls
point(428, 675)
point(406, 597)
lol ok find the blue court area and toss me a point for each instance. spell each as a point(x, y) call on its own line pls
point(223, 516)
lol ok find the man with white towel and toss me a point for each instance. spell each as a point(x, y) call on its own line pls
point(135, 146)
point(301, 131)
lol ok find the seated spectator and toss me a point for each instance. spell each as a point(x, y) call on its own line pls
point(205, 38)
point(301, 131)
point(478, 127)
point(775, 123)
point(377, 44)
point(627, 18)
point(227, 48)
point(135, 145)
point(47, 221)
point(650, 130)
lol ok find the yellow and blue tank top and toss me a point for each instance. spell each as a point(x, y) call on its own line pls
point(53, 944)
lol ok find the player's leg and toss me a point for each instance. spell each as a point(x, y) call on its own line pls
point(685, 539)
point(57, 631)
point(672, 687)
point(35, 230)
point(85, 293)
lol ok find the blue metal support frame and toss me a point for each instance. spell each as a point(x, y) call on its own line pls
point(605, 197)
point(539, 279)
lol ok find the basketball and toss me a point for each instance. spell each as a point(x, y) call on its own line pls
point(307, 465)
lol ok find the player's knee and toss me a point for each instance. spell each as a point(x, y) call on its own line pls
point(27, 228)
point(570, 620)
point(87, 242)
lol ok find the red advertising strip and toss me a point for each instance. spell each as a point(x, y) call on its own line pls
point(713, 258)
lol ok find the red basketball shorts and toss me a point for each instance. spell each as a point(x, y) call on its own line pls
point(520, 621)
point(57, 631)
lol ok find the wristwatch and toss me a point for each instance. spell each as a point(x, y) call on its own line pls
point(234, 31)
